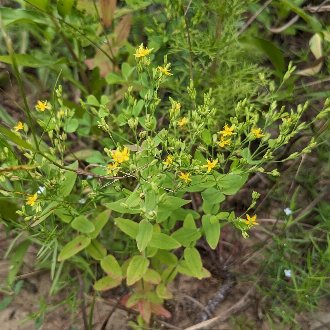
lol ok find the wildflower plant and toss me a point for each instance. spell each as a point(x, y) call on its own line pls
point(129, 212)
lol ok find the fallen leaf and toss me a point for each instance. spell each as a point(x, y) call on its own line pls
point(107, 11)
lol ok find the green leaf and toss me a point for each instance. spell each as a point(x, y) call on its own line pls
point(150, 200)
point(99, 222)
point(211, 231)
point(144, 234)
point(163, 292)
point(30, 61)
point(111, 266)
point(83, 225)
point(18, 16)
point(129, 227)
point(126, 70)
point(213, 196)
point(183, 268)
point(163, 241)
point(64, 214)
point(200, 182)
point(46, 212)
point(64, 7)
point(16, 139)
point(121, 206)
point(209, 208)
point(96, 250)
point(230, 184)
point(92, 100)
point(71, 125)
point(73, 247)
point(189, 222)
point(206, 137)
point(106, 283)
point(136, 269)
point(186, 235)
point(151, 276)
point(69, 180)
point(133, 200)
point(40, 4)
point(273, 53)
point(193, 260)
point(171, 203)
point(113, 78)
point(166, 257)
point(137, 108)
point(81, 154)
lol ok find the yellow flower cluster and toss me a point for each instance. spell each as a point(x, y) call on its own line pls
point(119, 156)
point(165, 70)
point(41, 106)
point(257, 133)
point(142, 52)
point(211, 164)
point(251, 221)
point(19, 126)
point(31, 199)
point(169, 160)
point(185, 177)
point(225, 136)
point(183, 122)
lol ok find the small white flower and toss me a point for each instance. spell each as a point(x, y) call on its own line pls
point(89, 177)
point(82, 201)
point(41, 189)
point(287, 273)
point(287, 211)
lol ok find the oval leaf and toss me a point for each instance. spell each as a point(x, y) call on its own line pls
point(193, 260)
point(99, 222)
point(136, 269)
point(186, 235)
point(151, 276)
point(111, 266)
point(129, 227)
point(96, 250)
point(69, 180)
point(83, 225)
point(163, 241)
point(144, 235)
point(106, 283)
point(211, 231)
point(74, 247)
point(163, 292)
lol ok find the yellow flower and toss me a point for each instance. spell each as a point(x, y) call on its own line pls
point(257, 132)
point(251, 221)
point(223, 142)
point(43, 105)
point(19, 126)
point(142, 52)
point(120, 156)
point(227, 131)
point(169, 160)
point(183, 121)
point(164, 70)
point(185, 177)
point(31, 199)
point(210, 165)
point(113, 169)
